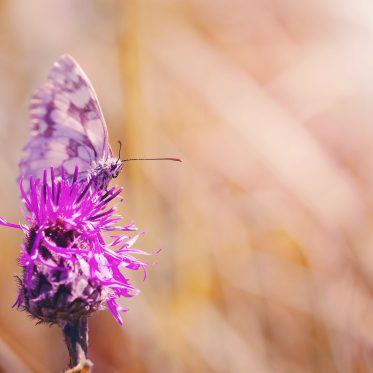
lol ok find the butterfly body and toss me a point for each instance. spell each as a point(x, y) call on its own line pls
point(68, 128)
point(103, 171)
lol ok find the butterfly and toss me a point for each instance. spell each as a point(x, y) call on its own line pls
point(69, 129)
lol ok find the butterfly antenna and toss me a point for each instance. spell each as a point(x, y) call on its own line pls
point(152, 159)
point(120, 148)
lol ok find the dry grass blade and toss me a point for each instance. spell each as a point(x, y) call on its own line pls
point(10, 361)
point(83, 367)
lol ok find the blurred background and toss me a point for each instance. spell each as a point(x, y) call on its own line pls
point(266, 229)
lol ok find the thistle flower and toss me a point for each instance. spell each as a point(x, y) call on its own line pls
point(70, 269)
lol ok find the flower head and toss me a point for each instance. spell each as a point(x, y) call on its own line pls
point(69, 266)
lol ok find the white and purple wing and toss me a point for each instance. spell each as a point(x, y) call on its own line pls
point(68, 127)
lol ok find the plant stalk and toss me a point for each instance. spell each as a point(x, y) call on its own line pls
point(76, 338)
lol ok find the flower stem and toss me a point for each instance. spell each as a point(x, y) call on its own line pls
point(76, 338)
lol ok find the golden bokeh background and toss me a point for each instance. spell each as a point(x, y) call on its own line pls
point(266, 228)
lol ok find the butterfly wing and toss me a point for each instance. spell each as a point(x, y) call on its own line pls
point(68, 127)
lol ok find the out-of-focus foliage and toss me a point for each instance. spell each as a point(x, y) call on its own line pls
point(266, 228)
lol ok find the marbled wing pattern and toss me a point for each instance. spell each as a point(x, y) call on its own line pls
point(68, 128)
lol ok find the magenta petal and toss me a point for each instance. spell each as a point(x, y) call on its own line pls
point(7, 224)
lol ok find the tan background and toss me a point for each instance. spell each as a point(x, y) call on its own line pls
point(267, 226)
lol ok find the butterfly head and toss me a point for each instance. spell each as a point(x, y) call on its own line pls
point(103, 171)
point(116, 168)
